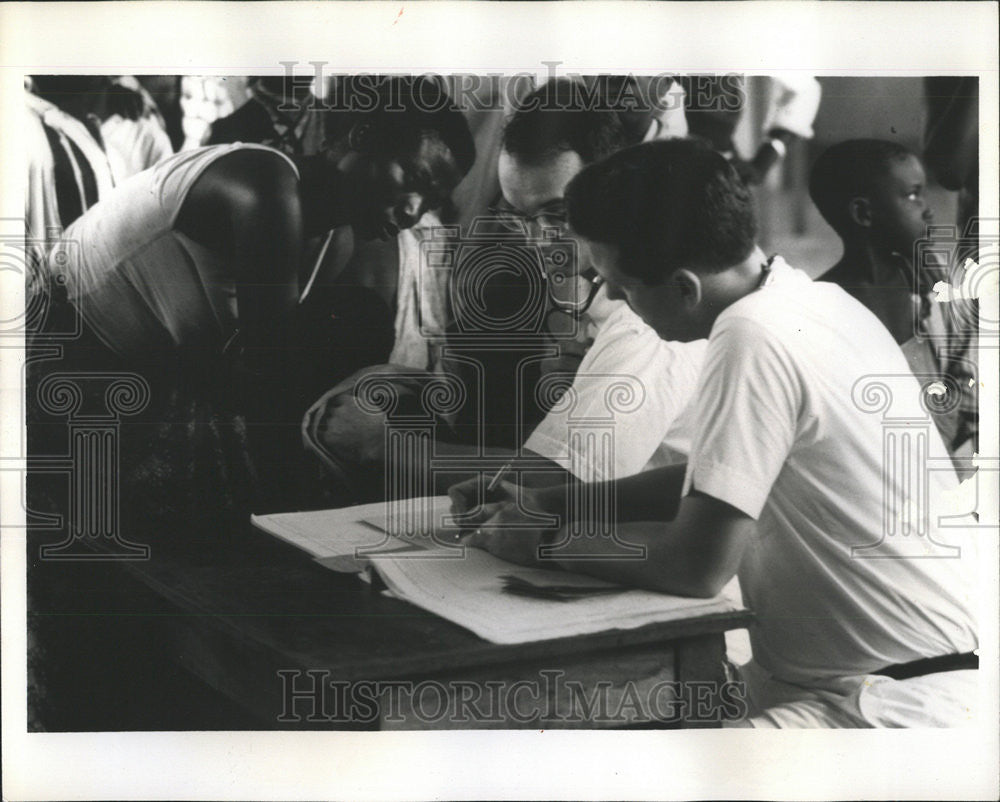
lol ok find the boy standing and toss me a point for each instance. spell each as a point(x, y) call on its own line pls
point(873, 193)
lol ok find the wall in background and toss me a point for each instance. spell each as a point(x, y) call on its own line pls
point(882, 108)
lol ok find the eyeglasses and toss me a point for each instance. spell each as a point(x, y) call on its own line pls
point(563, 284)
point(552, 214)
point(570, 299)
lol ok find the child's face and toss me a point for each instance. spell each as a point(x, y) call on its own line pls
point(900, 212)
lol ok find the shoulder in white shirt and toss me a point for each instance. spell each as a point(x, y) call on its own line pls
point(628, 408)
point(811, 422)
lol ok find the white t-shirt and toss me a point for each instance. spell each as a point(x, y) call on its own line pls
point(41, 202)
point(791, 433)
point(138, 144)
point(140, 284)
point(628, 408)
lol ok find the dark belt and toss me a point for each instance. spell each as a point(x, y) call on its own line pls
point(930, 665)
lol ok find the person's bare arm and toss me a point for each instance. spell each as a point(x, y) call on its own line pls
point(528, 469)
point(245, 206)
point(695, 554)
point(652, 495)
point(343, 434)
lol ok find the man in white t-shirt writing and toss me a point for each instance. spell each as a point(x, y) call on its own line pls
point(863, 602)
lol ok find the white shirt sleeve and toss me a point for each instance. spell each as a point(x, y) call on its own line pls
point(794, 104)
point(749, 400)
point(627, 394)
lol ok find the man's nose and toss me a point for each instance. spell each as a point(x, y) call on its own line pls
point(928, 215)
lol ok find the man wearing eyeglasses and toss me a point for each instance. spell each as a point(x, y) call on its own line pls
point(544, 148)
point(551, 137)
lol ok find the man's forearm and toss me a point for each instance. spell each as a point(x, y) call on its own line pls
point(652, 495)
point(665, 567)
point(529, 470)
point(693, 555)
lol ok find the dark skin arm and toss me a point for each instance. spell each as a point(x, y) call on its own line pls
point(529, 470)
point(246, 207)
point(338, 427)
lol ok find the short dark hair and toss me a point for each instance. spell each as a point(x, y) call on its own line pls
point(401, 110)
point(558, 118)
point(848, 170)
point(665, 205)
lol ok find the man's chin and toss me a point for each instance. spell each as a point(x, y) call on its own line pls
point(674, 336)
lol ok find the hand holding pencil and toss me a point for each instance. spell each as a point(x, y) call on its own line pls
point(502, 518)
point(477, 492)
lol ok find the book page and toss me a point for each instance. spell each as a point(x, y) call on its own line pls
point(343, 539)
point(468, 589)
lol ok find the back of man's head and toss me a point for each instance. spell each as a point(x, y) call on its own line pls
point(559, 117)
point(665, 205)
point(846, 171)
point(396, 112)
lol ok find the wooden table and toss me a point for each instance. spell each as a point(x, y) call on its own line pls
point(298, 646)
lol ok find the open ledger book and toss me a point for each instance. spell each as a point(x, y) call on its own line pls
point(468, 586)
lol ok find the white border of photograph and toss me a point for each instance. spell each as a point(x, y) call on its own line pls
point(234, 38)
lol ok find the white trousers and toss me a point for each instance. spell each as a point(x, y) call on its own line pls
point(945, 699)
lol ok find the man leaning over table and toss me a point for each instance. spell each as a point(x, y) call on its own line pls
point(784, 483)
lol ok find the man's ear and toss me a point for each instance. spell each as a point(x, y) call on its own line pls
point(359, 136)
point(859, 210)
point(688, 284)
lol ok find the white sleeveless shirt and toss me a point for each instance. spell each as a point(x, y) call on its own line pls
point(138, 283)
